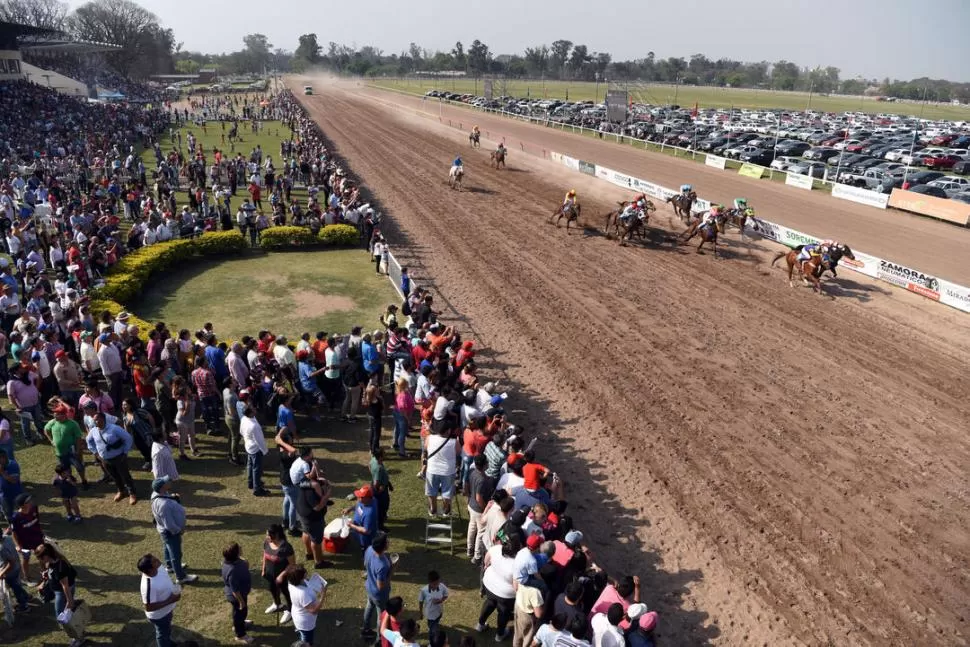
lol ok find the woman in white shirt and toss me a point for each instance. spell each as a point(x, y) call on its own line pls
point(306, 597)
point(497, 583)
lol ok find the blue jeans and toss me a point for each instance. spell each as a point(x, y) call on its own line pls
point(172, 553)
point(7, 447)
point(372, 610)
point(400, 431)
point(433, 628)
point(254, 471)
point(290, 492)
point(163, 630)
point(7, 505)
point(306, 636)
point(466, 468)
point(15, 585)
point(60, 599)
point(35, 414)
point(239, 618)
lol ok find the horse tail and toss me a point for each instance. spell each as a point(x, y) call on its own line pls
point(777, 257)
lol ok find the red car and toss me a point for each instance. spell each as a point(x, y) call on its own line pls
point(943, 140)
point(940, 161)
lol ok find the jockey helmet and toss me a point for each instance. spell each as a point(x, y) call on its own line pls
point(572, 193)
point(749, 212)
point(742, 201)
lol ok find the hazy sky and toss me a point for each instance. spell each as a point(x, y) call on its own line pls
point(872, 38)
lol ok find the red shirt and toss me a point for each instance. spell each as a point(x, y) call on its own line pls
point(474, 442)
point(392, 624)
point(531, 473)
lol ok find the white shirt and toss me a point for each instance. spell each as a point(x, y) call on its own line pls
point(303, 596)
point(443, 462)
point(109, 358)
point(511, 482)
point(299, 471)
point(498, 575)
point(547, 634)
point(284, 356)
point(252, 435)
point(156, 589)
point(432, 600)
point(605, 634)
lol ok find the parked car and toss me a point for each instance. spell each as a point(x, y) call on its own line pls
point(737, 151)
point(820, 154)
point(950, 188)
point(926, 189)
point(882, 181)
point(761, 157)
point(815, 169)
point(961, 197)
point(958, 180)
point(940, 160)
point(783, 162)
point(961, 167)
point(922, 177)
point(896, 154)
point(791, 148)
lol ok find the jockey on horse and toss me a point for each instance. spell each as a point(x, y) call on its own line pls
point(457, 167)
point(570, 205)
point(708, 218)
point(630, 211)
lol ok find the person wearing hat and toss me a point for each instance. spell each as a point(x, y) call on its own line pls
point(169, 515)
point(365, 516)
point(110, 443)
point(68, 374)
point(67, 439)
point(645, 626)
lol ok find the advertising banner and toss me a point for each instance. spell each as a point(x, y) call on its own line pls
point(556, 157)
point(799, 181)
point(927, 205)
point(862, 196)
point(617, 103)
point(619, 179)
point(863, 264)
point(716, 161)
point(752, 170)
point(603, 173)
point(955, 296)
point(587, 168)
point(913, 280)
point(570, 162)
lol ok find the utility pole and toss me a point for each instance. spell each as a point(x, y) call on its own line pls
point(912, 146)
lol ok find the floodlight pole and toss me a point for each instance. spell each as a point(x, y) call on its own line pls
point(912, 145)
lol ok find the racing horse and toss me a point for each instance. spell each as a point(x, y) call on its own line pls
point(571, 214)
point(498, 158)
point(613, 218)
point(736, 218)
point(836, 252)
point(808, 268)
point(474, 138)
point(708, 233)
point(455, 177)
point(637, 226)
point(682, 204)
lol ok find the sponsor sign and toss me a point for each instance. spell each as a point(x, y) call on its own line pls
point(556, 157)
point(799, 181)
point(587, 168)
point(752, 170)
point(648, 188)
point(617, 102)
point(913, 280)
point(863, 264)
point(570, 162)
point(603, 173)
point(701, 205)
point(620, 179)
point(928, 205)
point(716, 161)
point(862, 196)
point(955, 296)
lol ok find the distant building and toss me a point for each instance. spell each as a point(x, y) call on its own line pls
point(207, 75)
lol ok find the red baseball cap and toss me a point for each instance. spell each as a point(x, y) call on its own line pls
point(364, 492)
point(534, 541)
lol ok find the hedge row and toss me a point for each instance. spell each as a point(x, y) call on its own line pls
point(129, 277)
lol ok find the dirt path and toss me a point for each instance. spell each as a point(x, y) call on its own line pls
point(928, 245)
point(780, 468)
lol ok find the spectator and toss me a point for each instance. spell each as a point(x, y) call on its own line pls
point(66, 486)
point(58, 579)
point(255, 443)
point(480, 487)
point(26, 530)
point(389, 618)
point(288, 455)
point(528, 612)
point(374, 403)
point(643, 636)
point(381, 484)
point(6, 436)
point(140, 425)
point(184, 417)
point(625, 592)
point(10, 485)
point(110, 443)
point(403, 410)
point(159, 595)
point(404, 638)
point(231, 415)
point(605, 626)
point(25, 397)
point(364, 523)
point(237, 586)
point(442, 456)
point(495, 516)
point(11, 571)
point(278, 556)
point(169, 518)
point(352, 377)
point(431, 600)
point(548, 634)
point(69, 378)
point(377, 570)
point(307, 596)
point(163, 464)
point(569, 603)
point(497, 585)
point(311, 510)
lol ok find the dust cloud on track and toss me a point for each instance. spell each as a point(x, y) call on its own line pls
point(780, 468)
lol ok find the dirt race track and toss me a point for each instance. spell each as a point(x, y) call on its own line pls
point(780, 468)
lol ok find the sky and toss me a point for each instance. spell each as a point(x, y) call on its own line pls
point(900, 39)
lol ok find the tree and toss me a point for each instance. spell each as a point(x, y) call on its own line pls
point(308, 49)
point(578, 58)
point(416, 56)
point(558, 55)
point(187, 66)
point(257, 50)
point(458, 54)
point(146, 47)
point(536, 59)
point(785, 75)
point(479, 57)
point(46, 14)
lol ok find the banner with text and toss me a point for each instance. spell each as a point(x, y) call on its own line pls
point(927, 205)
point(862, 196)
point(716, 161)
point(955, 296)
point(752, 170)
point(570, 162)
point(587, 168)
point(799, 181)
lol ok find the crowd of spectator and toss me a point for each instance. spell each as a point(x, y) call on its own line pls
point(113, 399)
point(93, 71)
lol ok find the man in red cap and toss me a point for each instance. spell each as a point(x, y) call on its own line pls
point(364, 523)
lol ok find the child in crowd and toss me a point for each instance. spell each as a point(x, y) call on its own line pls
point(431, 599)
point(66, 484)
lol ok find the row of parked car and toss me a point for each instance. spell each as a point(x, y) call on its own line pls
point(876, 151)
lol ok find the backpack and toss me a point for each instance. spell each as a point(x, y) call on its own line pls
point(406, 308)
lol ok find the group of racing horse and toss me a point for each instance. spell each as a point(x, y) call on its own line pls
point(629, 220)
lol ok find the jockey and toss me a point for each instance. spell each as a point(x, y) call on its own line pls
point(457, 162)
point(740, 204)
point(571, 201)
point(808, 251)
point(501, 148)
point(629, 211)
point(686, 189)
point(711, 215)
point(475, 130)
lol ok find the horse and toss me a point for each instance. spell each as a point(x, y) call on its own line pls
point(473, 139)
point(613, 217)
point(835, 254)
point(708, 233)
point(497, 158)
point(736, 218)
point(807, 268)
point(682, 204)
point(571, 214)
point(455, 177)
point(637, 226)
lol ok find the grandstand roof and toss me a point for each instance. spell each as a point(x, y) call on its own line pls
point(64, 46)
point(11, 33)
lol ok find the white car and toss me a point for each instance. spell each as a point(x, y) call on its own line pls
point(956, 179)
point(846, 142)
point(950, 188)
point(896, 154)
point(783, 162)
